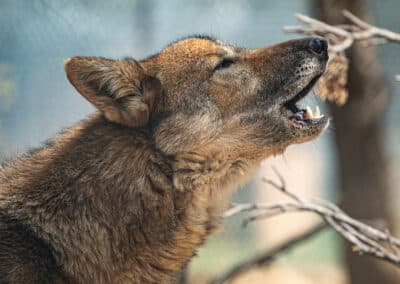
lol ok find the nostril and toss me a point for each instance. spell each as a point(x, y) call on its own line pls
point(319, 45)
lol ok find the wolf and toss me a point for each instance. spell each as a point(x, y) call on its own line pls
point(128, 194)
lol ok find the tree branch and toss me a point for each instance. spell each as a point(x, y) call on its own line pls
point(342, 37)
point(364, 238)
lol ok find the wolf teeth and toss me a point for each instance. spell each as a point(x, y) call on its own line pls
point(308, 113)
point(317, 113)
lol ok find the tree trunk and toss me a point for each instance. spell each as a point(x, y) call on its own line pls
point(359, 137)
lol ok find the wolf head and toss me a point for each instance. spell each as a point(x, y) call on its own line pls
point(199, 92)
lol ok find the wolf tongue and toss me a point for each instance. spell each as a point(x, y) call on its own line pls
point(308, 114)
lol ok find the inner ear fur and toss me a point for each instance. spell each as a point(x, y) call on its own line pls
point(120, 89)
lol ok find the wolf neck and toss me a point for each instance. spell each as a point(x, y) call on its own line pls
point(102, 197)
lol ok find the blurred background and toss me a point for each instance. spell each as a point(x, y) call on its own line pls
point(356, 163)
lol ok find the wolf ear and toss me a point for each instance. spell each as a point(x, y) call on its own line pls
point(120, 89)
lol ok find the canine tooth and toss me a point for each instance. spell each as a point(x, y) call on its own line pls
point(308, 114)
point(317, 113)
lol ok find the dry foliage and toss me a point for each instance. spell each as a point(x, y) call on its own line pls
point(333, 84)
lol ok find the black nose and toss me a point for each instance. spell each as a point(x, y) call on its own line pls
point(318, 45)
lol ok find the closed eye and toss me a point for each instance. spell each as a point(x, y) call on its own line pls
point(224, 63)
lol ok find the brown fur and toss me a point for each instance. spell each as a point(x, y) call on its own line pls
point(127, 195)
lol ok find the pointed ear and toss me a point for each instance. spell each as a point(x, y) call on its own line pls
point(120, 89)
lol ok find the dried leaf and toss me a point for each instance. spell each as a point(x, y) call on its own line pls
point(333, 84)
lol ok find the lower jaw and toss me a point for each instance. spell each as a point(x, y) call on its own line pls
point(308, 138)
point(309, 123)
point(307, 129)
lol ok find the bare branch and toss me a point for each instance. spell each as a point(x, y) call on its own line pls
point(344, 35)
point(364, 238)
point(371, 31)
point(355, 20)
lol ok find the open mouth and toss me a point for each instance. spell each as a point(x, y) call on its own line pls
point(304, 117)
